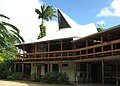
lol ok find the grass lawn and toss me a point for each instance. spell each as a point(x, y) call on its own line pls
point(25, 83)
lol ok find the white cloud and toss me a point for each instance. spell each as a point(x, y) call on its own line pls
point(23, 16)
point(105, 12)
point(112, 10)
point(101, 22)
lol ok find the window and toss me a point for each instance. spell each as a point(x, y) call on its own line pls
point(64, 65)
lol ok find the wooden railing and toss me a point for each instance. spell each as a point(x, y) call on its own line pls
point(74, 54)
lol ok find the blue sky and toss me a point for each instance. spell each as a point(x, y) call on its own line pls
point(87, 11)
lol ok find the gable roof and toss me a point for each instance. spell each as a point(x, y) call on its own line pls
point(69, 28)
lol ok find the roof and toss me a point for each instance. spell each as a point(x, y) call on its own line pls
point(69, 28)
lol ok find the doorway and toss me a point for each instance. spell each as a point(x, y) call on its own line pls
point(96, 72)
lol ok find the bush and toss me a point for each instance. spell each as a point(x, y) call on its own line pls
point(54, 77)
point(16, 76)
point(4, 74)
point(4, 69)
point(63, 78)
point(35, 77)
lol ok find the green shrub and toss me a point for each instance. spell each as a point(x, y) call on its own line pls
point(54, 77)
point(63, 78)
point(4, 69)
point(35, 77)
point(16, 76)
point(4, 74)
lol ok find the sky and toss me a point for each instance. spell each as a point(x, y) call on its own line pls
point(22, 14)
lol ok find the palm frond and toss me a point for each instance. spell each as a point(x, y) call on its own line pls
point(12, 26)
point(17, 36)
point(1, 15)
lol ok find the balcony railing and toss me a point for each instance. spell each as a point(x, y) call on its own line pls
point(80, 53)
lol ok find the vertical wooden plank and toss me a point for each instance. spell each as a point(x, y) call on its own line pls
point(103, 72)
point(112, 49)
point(94, 52)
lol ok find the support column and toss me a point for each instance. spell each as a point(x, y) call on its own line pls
point(86, 49)
point(61, 47)
point(23, 68)
point(15, 67)
point(75, 73)
point(48, 48)
point(103, 72)
point(102, 42)
point(87, 68)
point(61, 56)
point(116, 74)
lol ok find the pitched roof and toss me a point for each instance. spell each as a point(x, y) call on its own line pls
point(69, 28)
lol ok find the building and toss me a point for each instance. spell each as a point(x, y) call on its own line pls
point(79, 50)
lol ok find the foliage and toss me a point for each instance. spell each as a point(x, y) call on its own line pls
point(5, 68)
point(101, 28)
point(43, 31)
point(63, 78)
point(45, 13)
point(9, 35)
point(35, 77)
point(54, 77)
point(16, 76)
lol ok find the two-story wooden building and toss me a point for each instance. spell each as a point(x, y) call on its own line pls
point(79, 50)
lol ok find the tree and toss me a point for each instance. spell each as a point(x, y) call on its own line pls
point(8, 37)
point(100, 28)
point(45, 13)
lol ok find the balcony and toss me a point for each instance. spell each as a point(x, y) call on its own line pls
point(105, 49)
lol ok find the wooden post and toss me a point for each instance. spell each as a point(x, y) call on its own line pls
point(102, 46)
point(15, 67)
point(87, 68)
point(35, 50)
point(112, 49)
point(87, 49)
point(116, 74)
point(61, 47)
point(23, 51)
point(48, 47)
point(23, 68)
point(102, 72)
point(61, 56)
point(75, 72)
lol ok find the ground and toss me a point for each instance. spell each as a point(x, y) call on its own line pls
point(24, 83)
point(28, 83)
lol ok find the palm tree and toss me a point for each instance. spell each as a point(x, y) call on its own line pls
point(45, 13)
point(100, 28)
point(8, 36)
